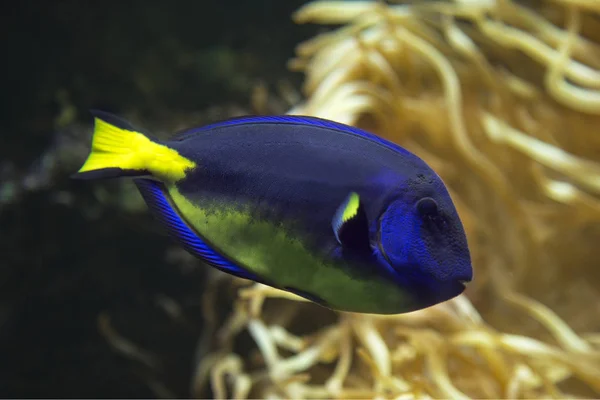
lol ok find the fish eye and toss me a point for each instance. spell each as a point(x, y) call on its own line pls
point(427, 207)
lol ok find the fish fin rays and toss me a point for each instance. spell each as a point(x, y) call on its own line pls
point(293, 120)
point(154, 193)
point(118, 149)
point(351, 226)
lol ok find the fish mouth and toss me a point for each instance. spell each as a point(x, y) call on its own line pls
point(453, 288)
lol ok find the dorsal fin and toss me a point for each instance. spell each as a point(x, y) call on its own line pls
point(291, 120)
point(351, 226)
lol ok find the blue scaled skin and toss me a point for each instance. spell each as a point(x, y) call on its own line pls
point(324, 210)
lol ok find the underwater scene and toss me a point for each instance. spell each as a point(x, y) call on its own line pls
point(301, 199)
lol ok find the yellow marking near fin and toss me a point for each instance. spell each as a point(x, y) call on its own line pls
point(352, 207)
point(114, 147)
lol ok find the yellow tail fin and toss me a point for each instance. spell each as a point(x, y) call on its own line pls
point(119, 150)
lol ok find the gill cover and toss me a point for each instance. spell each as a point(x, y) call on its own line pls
point(397, 232)
point(425, 240)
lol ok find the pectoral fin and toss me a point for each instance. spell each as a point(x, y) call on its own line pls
point(351, 226)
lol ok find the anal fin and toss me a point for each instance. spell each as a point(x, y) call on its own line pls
point(158, 200)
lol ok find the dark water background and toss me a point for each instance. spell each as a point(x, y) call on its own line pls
point(71, 251)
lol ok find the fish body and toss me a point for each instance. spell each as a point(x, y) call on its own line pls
point(323, 210)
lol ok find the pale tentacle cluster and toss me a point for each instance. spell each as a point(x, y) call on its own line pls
point(446, 351)
point(503, 101)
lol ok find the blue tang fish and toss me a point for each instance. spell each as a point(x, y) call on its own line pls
point(327, 211)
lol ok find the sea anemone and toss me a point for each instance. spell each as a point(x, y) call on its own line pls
point(502, 99)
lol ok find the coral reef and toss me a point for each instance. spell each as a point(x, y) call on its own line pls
point(502, 99)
